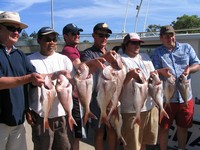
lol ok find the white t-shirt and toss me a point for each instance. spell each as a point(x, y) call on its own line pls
point(46, 65)
point(143, 62)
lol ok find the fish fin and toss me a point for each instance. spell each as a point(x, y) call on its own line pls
point(104, 119)
point(136, 119)
point(123, 141)
point(46, 124)
point(72, 122)
point(162, 114)
point(87, 116)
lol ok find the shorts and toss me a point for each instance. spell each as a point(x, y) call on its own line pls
point(77, 113)
point(146, 134)
point(53, 138)
point(180, 113)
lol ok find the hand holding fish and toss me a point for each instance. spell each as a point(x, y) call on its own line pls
point(66, 73)
point(94, 64)
point(165, 72)
point(37, 79)
point(186, 72)
point(133, 73)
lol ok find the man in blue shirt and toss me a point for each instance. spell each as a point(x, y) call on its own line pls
point(15, 71)
point(181, 59)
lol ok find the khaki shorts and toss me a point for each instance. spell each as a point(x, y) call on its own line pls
point(146, 134)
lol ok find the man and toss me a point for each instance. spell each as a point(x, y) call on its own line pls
point(182, 60)
point(71, 35)
point(144, 132)
point(49, 62)
point(101, 32)
point(15, 71)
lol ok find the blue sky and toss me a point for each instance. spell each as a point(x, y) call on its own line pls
point(86, 13)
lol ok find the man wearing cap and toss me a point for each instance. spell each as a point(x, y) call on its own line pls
point(98, 52)
point(182, 60)
point(51, 63)
point(71, 35)
point(15, 71)
point(144, 131)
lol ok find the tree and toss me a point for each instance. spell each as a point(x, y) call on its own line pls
point(187, 22)
point(34, 35)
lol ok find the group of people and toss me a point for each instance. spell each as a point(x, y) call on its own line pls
point(21, 78)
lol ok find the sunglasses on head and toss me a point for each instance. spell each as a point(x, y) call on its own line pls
point(12, 28)
point(48, 39)
point(101, 35)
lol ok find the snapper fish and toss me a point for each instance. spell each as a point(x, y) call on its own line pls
point(169, 89)
point(116, 123)
point(48, 94)
point(184, 88)
point(64, 92)
point(120, 76)
point(106, 87)
point(140, 92)
point(84, 86)
point(155, 86)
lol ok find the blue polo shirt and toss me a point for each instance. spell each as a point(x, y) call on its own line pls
point(181, 56)
point(12, 101)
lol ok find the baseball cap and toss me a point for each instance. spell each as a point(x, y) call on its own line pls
point(102, 26)
point(45, 31)
point(132, 37)
point(71, 28)
point(12, 17)
point(166, 29)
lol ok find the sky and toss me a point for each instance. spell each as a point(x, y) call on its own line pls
point(120, 15)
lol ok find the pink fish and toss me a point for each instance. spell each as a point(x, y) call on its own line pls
point(120, 76)
point(184, 88)
point(156, 92)
point(169, 89)
point(48, 94)
point(84, 85)
point(116, 123)
point(140, 92)
point(106, 87)
point(64, 93)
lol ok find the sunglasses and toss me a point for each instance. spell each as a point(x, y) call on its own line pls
point(48, 39)
point(75, 33)
point(101, 35)
point(12, 28)
point(135, 43)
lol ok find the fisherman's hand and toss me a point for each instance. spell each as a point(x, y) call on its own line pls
point(186, 72)
point(110, 57)
point(37, 79)
point(133, 73)
point(66, 73)
point(30, 117)
point(95, 64)
point(165, 72)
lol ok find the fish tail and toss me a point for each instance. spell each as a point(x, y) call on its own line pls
point(104, 119)
point(136, 119)
point(87, 116)
point(123, 141)
point(72, 122)
point(46, 124)
point(162, 114)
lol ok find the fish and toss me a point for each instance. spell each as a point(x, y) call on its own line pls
point(169, 89)
point(116, 123)
point(64, 93)
point(184, 88)
point(84, 86)
point(48, 94)
point(140, 92)
point(120, 76)
point(106, 87)
point(155, 86)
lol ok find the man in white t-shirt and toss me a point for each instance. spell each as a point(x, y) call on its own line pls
point(47, 61)
point(139, 136)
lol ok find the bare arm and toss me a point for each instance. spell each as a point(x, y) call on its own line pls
point(11, 82)
point(194, 68)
